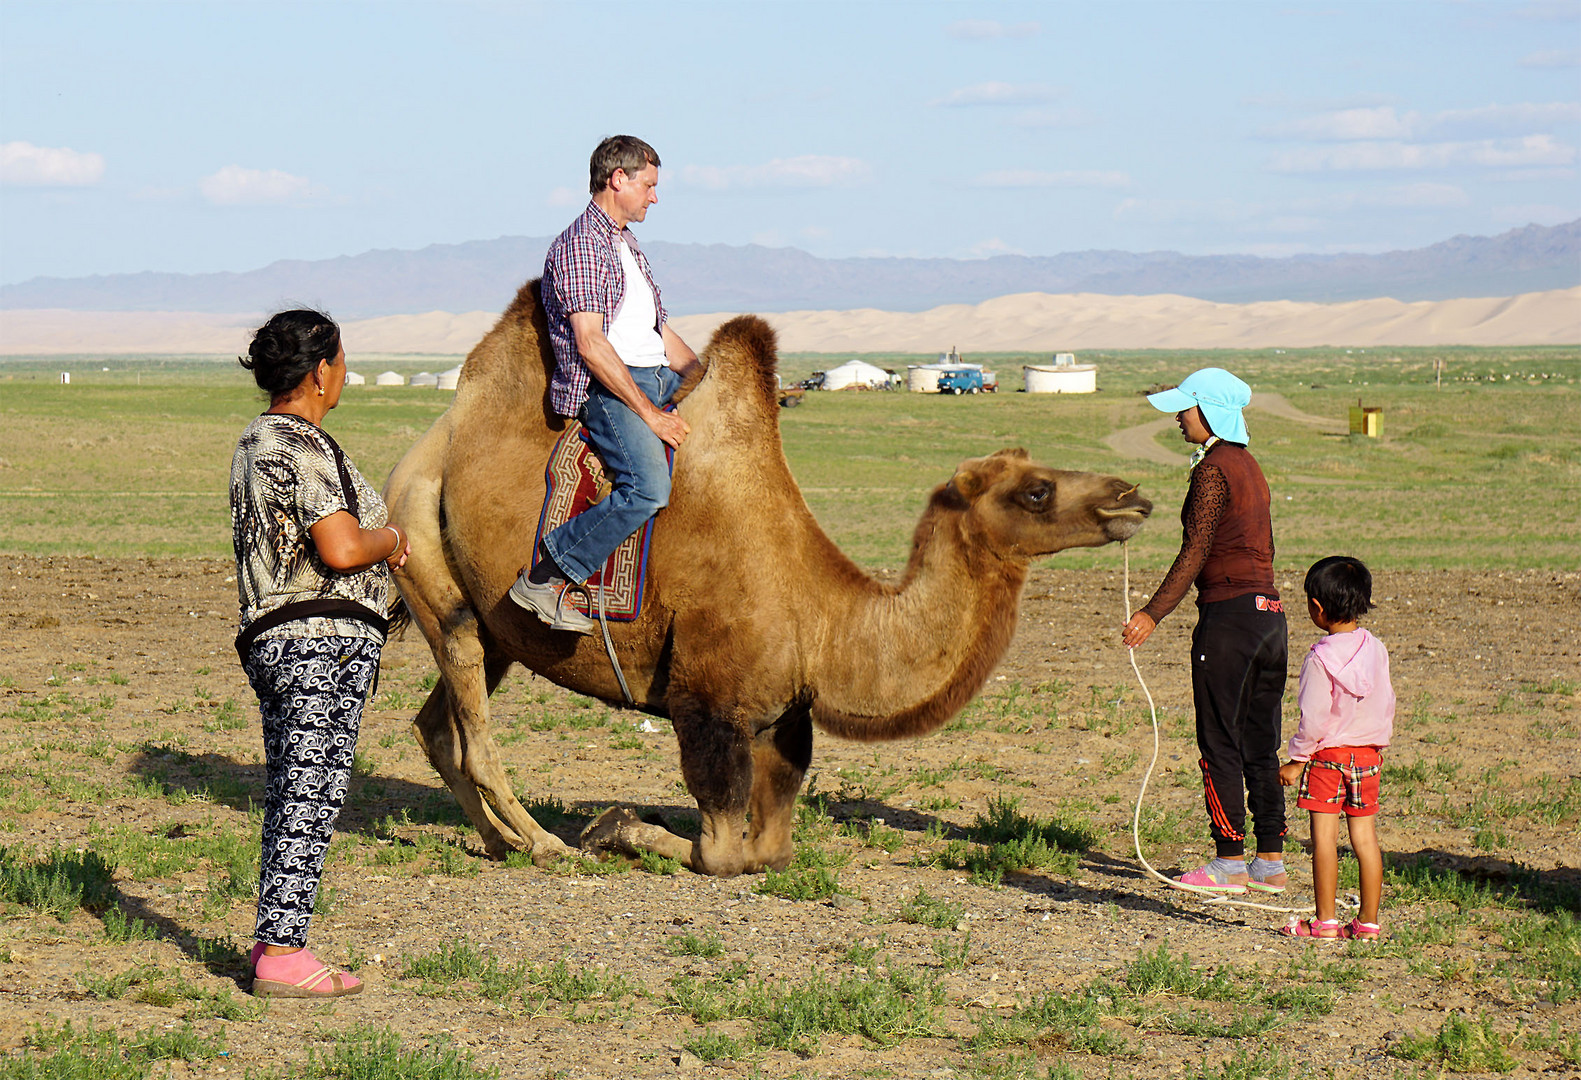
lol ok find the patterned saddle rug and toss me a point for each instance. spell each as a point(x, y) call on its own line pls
point(576, 480)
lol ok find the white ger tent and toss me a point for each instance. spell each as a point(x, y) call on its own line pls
point(353, 379)
point(449, 379)
point(855, 373)
point(425, 378)
point(390, 378)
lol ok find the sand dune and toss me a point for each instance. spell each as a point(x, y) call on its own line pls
point(1025, 322)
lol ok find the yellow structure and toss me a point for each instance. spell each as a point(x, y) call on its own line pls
point(1366, 421)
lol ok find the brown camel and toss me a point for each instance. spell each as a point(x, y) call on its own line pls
point(754, 628)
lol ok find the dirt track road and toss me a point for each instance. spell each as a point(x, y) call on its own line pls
point(1141, 441)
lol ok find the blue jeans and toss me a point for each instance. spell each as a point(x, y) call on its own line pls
point(638, 469)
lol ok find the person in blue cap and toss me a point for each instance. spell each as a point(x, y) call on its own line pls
point(1240, 646)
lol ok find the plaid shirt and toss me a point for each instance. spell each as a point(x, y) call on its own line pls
point(582, 272)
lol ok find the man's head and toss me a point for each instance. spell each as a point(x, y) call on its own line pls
point(625, 153)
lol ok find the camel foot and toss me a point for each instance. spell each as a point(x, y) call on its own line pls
point(604, 834)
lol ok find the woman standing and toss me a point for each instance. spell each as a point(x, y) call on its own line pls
point(1238, 650)
point(313, 561)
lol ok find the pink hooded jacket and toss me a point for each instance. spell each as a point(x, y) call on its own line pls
point(1345, 695)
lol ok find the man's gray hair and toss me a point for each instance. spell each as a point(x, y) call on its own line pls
point(624, 152)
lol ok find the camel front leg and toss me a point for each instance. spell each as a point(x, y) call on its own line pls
point(780, 757)
point(716, 763)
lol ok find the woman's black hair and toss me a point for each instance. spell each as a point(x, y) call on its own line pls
point(286, 349)
point(1342, 585)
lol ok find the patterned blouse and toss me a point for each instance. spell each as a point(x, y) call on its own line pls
point(284, 479)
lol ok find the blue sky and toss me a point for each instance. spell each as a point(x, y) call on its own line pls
point(224, 135)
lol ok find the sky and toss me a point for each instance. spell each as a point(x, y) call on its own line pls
point(224, 135)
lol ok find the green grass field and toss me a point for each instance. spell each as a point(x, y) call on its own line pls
point(1483, 472)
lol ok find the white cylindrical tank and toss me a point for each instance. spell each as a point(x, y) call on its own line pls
point(1060, 379)
point(390, 378)
point(449, 379)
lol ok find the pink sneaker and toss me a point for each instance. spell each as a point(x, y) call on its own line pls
point(1199, 880)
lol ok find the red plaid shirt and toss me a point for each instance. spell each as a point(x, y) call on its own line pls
point(582, 272)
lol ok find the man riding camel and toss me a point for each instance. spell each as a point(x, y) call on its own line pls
point(617, 363)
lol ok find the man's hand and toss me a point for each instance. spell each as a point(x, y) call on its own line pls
point(668, 426)
point(1290, 774)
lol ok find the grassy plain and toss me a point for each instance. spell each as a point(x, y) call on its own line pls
point(1481, 472)
point(960, 906)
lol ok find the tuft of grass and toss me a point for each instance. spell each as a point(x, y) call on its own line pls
point(59, 884)
point(713, 1046)
point(708, 947)
point(1462, 1044)
point(121, 928)
point(67, 1053)
point(925, 910)
point(368, 1053)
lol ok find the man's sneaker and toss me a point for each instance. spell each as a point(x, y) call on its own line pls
point(548, 602)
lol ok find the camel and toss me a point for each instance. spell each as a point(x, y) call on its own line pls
point(755, 627)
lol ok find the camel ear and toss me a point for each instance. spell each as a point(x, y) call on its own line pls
point(967, 482)
point(1014, 452)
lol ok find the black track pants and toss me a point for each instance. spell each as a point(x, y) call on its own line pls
point(1239, 652)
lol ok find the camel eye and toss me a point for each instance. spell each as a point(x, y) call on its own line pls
point(1038, 498)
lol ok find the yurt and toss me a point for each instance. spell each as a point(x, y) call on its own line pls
point(353, 379)
point(389, 378)
point(1063, 376)
point(449, 379)
point(855, 373)
point(425, 378)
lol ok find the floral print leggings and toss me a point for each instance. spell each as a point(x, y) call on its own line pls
point(311, 692)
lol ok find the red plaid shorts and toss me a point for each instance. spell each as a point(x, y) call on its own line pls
point(1341, 779)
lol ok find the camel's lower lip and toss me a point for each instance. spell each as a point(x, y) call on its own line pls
point(1138, 512)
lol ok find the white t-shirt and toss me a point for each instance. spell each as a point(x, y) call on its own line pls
point(631, 330)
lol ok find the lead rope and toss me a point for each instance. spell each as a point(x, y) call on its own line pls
point(609, 644)
point(1136, 818)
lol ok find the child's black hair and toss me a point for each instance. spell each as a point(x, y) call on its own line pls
point(1342, 585)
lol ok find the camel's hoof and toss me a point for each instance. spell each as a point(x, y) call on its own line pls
point(604, 834)
point(547, 851)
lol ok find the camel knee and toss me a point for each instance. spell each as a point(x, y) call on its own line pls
point(716, 762)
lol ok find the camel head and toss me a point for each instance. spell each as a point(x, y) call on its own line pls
point(1020, 510)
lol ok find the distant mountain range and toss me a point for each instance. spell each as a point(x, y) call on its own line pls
point(483, 275)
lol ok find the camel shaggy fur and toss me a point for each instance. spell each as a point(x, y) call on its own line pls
point(755, 628)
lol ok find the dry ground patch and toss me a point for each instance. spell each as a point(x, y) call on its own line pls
point(964, 905)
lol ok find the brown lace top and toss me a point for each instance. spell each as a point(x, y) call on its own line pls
point(1228, 547)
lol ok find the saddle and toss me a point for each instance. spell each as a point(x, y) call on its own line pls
point(575, 480)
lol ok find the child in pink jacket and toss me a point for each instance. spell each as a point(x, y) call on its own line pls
point(1347, 717)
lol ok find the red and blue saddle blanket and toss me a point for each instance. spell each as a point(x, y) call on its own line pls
point(576, 480)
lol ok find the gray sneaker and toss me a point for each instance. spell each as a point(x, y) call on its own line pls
point(548, 602)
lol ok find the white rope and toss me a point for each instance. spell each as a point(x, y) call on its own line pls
point(1208, 896)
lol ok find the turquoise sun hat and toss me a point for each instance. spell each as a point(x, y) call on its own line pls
point(1220, 396)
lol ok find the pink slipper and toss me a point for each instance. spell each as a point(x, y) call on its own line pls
point(300, 975)
point(1200, 880)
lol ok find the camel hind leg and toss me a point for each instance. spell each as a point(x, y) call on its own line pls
point(453, 728)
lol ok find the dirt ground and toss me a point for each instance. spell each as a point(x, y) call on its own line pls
point(1486, 667)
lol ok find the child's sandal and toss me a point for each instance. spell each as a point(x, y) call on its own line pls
point(1326, 929)
point(1362, 931)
